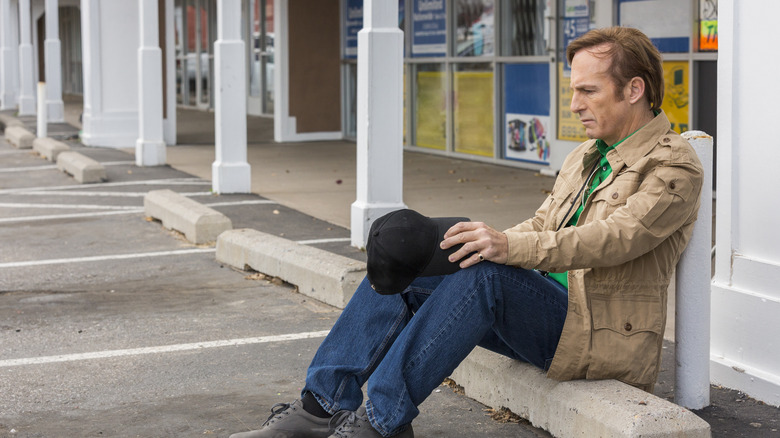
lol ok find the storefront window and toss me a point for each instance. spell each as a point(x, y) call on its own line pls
point(524, 27)
point(473, 115)
point(474, 31)
point(708, 25)
point(430, 106)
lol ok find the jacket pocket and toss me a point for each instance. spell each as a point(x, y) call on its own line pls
point(625, 338)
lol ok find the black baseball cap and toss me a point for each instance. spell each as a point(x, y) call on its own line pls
point(403, 245)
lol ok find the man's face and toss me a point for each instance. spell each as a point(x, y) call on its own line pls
point(594, 100)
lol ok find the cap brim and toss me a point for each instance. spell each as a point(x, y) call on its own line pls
point(440, 263)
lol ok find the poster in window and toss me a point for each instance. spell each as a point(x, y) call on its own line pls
point(353, 22)
point(576, 22)
point(429, 28)
point(666, 22)
point(527, 112)
point(676, 96)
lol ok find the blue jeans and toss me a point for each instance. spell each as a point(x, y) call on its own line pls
point(405, 345)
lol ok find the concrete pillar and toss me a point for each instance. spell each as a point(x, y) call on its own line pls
point(692, 299)
point(150, 147)
point(230, 171)
point(379, 118)
point(9, 59)
point(26, 66)
point(53, 54)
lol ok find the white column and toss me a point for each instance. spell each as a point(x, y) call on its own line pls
point(692, 300)
point(379, 117)
point(26, 66)
point(150, 147)
point(53, 54)
point(9, 60)
point(230, 171)
point(43, 129)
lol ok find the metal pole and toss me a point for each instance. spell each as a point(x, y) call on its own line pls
point(692, 322)
point(42, 113)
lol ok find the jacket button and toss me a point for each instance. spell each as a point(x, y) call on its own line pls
point(615, 195)
point(672, 185)
point(628, 327)
point(666, 140)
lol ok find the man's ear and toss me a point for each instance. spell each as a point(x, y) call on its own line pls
point(635, 89)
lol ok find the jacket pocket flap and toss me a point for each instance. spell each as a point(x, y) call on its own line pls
point(627, 315)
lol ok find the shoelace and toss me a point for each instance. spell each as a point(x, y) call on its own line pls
point(277, 411)
point(348, 426)
point(338, 417)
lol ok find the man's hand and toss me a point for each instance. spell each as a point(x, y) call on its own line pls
point(478, 238)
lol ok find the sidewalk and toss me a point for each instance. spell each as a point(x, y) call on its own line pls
point(322, 186)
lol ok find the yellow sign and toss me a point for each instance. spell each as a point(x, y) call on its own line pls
point(676, 94)
point(569, 126)
point(473, 115)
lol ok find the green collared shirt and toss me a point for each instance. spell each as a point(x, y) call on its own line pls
point(602, 172)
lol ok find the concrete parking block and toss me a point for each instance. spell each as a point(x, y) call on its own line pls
point(19, 137)
point(198, 223)
point(580, 408)
point(320, 274)
point(8, 121)
point(49, 148)
point(82, 168)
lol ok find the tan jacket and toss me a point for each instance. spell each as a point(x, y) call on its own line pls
point(621, 254)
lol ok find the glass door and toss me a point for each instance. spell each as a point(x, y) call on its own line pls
point(259, 35)
point(195, 22)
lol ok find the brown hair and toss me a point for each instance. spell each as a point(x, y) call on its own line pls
point(632, 55)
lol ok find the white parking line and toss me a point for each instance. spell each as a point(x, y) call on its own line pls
point(68, 206)
point(159, 350)
point(104, 258)
point(54, 166)
point(151, 182)
point(68, 216)
point(316, 241)
point(107, 194)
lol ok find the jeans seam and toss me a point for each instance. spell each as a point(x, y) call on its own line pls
point(372, 362)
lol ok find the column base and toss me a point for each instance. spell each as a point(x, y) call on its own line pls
point(363, 215)
point(149, 153)
point(231, 177)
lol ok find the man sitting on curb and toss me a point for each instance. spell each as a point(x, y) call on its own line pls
point(578, 290)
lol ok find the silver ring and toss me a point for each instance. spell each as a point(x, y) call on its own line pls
point(481, 257)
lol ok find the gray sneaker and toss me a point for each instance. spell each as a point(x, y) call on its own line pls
point(289, 420)
point(358, 426)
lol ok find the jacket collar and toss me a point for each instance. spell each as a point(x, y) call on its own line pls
point(632, 149)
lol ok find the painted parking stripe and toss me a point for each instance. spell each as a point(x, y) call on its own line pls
point(332, 240)
point(104, 258)
point(161, 349)
point(68, 216)
point(118, 210)
point(151, 182)
point(54, 166)
point(68, 206)
point(107, 194)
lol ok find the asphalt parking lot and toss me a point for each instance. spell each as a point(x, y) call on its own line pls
point(114, 326)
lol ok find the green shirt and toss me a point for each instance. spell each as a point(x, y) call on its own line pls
point(602, 172)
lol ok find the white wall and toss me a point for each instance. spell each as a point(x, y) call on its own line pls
point(745, 350)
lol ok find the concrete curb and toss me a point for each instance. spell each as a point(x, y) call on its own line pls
point(82, 168)
point(19, 137)
point(49, 148)
point(198, 223)
point(580, 408)
point(8, 121)
point(320, 274)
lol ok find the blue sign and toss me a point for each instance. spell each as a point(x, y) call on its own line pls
point(429, 28)
point(353, 22)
